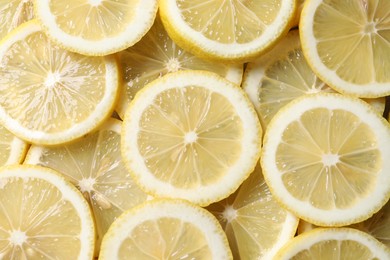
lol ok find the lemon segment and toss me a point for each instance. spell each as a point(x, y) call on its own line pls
point(12, 148)
point(347, 45)
point(43, 216)
point(191, 135)
point(334, 243)
point(96, 27)
point(156, 55)
point(227, 30)
point(165, 229)
point(94, 165)
point(254, 222)
point(49, 95)
point(324, 159)
point(13, 14)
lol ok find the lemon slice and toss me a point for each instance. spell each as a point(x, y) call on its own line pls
point(255, 224)
point(49, 95)
point(94, 165)
point(165, 229)
point(282, 75)
point(43, 216)
point(324, 158)
point(347, 44)
point(298, 12)
point(191, 135)
point(227, 30)
point(156, 55)
point(12, 148)
point(13, 13)
point(334, 243)
point(96, 27)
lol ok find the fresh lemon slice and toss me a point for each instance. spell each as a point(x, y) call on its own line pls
point(192, 135)
point(298, 12)
point(282, 75)
point(255, 224)
point(227, 30)
point(347, 44)
point(43, 216)
point(165, 229)
point(96, 27)
point(12, 148)
point(332, 244)
point(156, 55)
point(325, 158)
point(49, 95)
point(94, 165)
point(14, 13)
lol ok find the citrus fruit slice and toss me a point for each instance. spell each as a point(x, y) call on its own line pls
point(96, 27)
point(156, 55)
point(49, 95)
point(347, 44)
point(227, 30)
point(255, 224)
point(43, 216)
point(332, 244)
point(13, 13)
point(12, 148)
point(165, 229)
point(324, 158)
point(282, 75)
point(192, 135)
point(94, 165)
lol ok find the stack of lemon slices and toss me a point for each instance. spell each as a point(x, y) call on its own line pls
point(194, 129)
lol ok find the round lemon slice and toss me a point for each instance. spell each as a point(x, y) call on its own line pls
point(347, 44)
point(43, 216)
point(254, 222)
point(191, 135)
point(227, 30)
point(324, 158)
point(156, 55)
point(13, 13)
point(49, 95)
point(334, 243)
point(165, 229)
point(94, 165)
point(12, 148)
point(96, 27)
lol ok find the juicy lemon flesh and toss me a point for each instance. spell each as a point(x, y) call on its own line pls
point(93, 164)
point(36, 222)
point(165, 238)
point(14, 13)
point(53, 89)
point(285, 80)
point(156, 55)
point(247, 215)
point(354, 34)
point(6, 139)
point(229, 22)
point(335, 249)
point(190, 136)
point(328, 158)
point(93, 19)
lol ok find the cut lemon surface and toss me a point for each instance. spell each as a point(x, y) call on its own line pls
point(333, 244)
point(94, 165)
point(96, 27)
point(227, 30)
point(49, 95)
point(191, 135)
point(255, 224)
point(282, 75)
point(347, 43)
point(156, 55)
point(13, 13)
point(12, 149)
point(325, 158)
point(165, 229)
point(43, 216)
